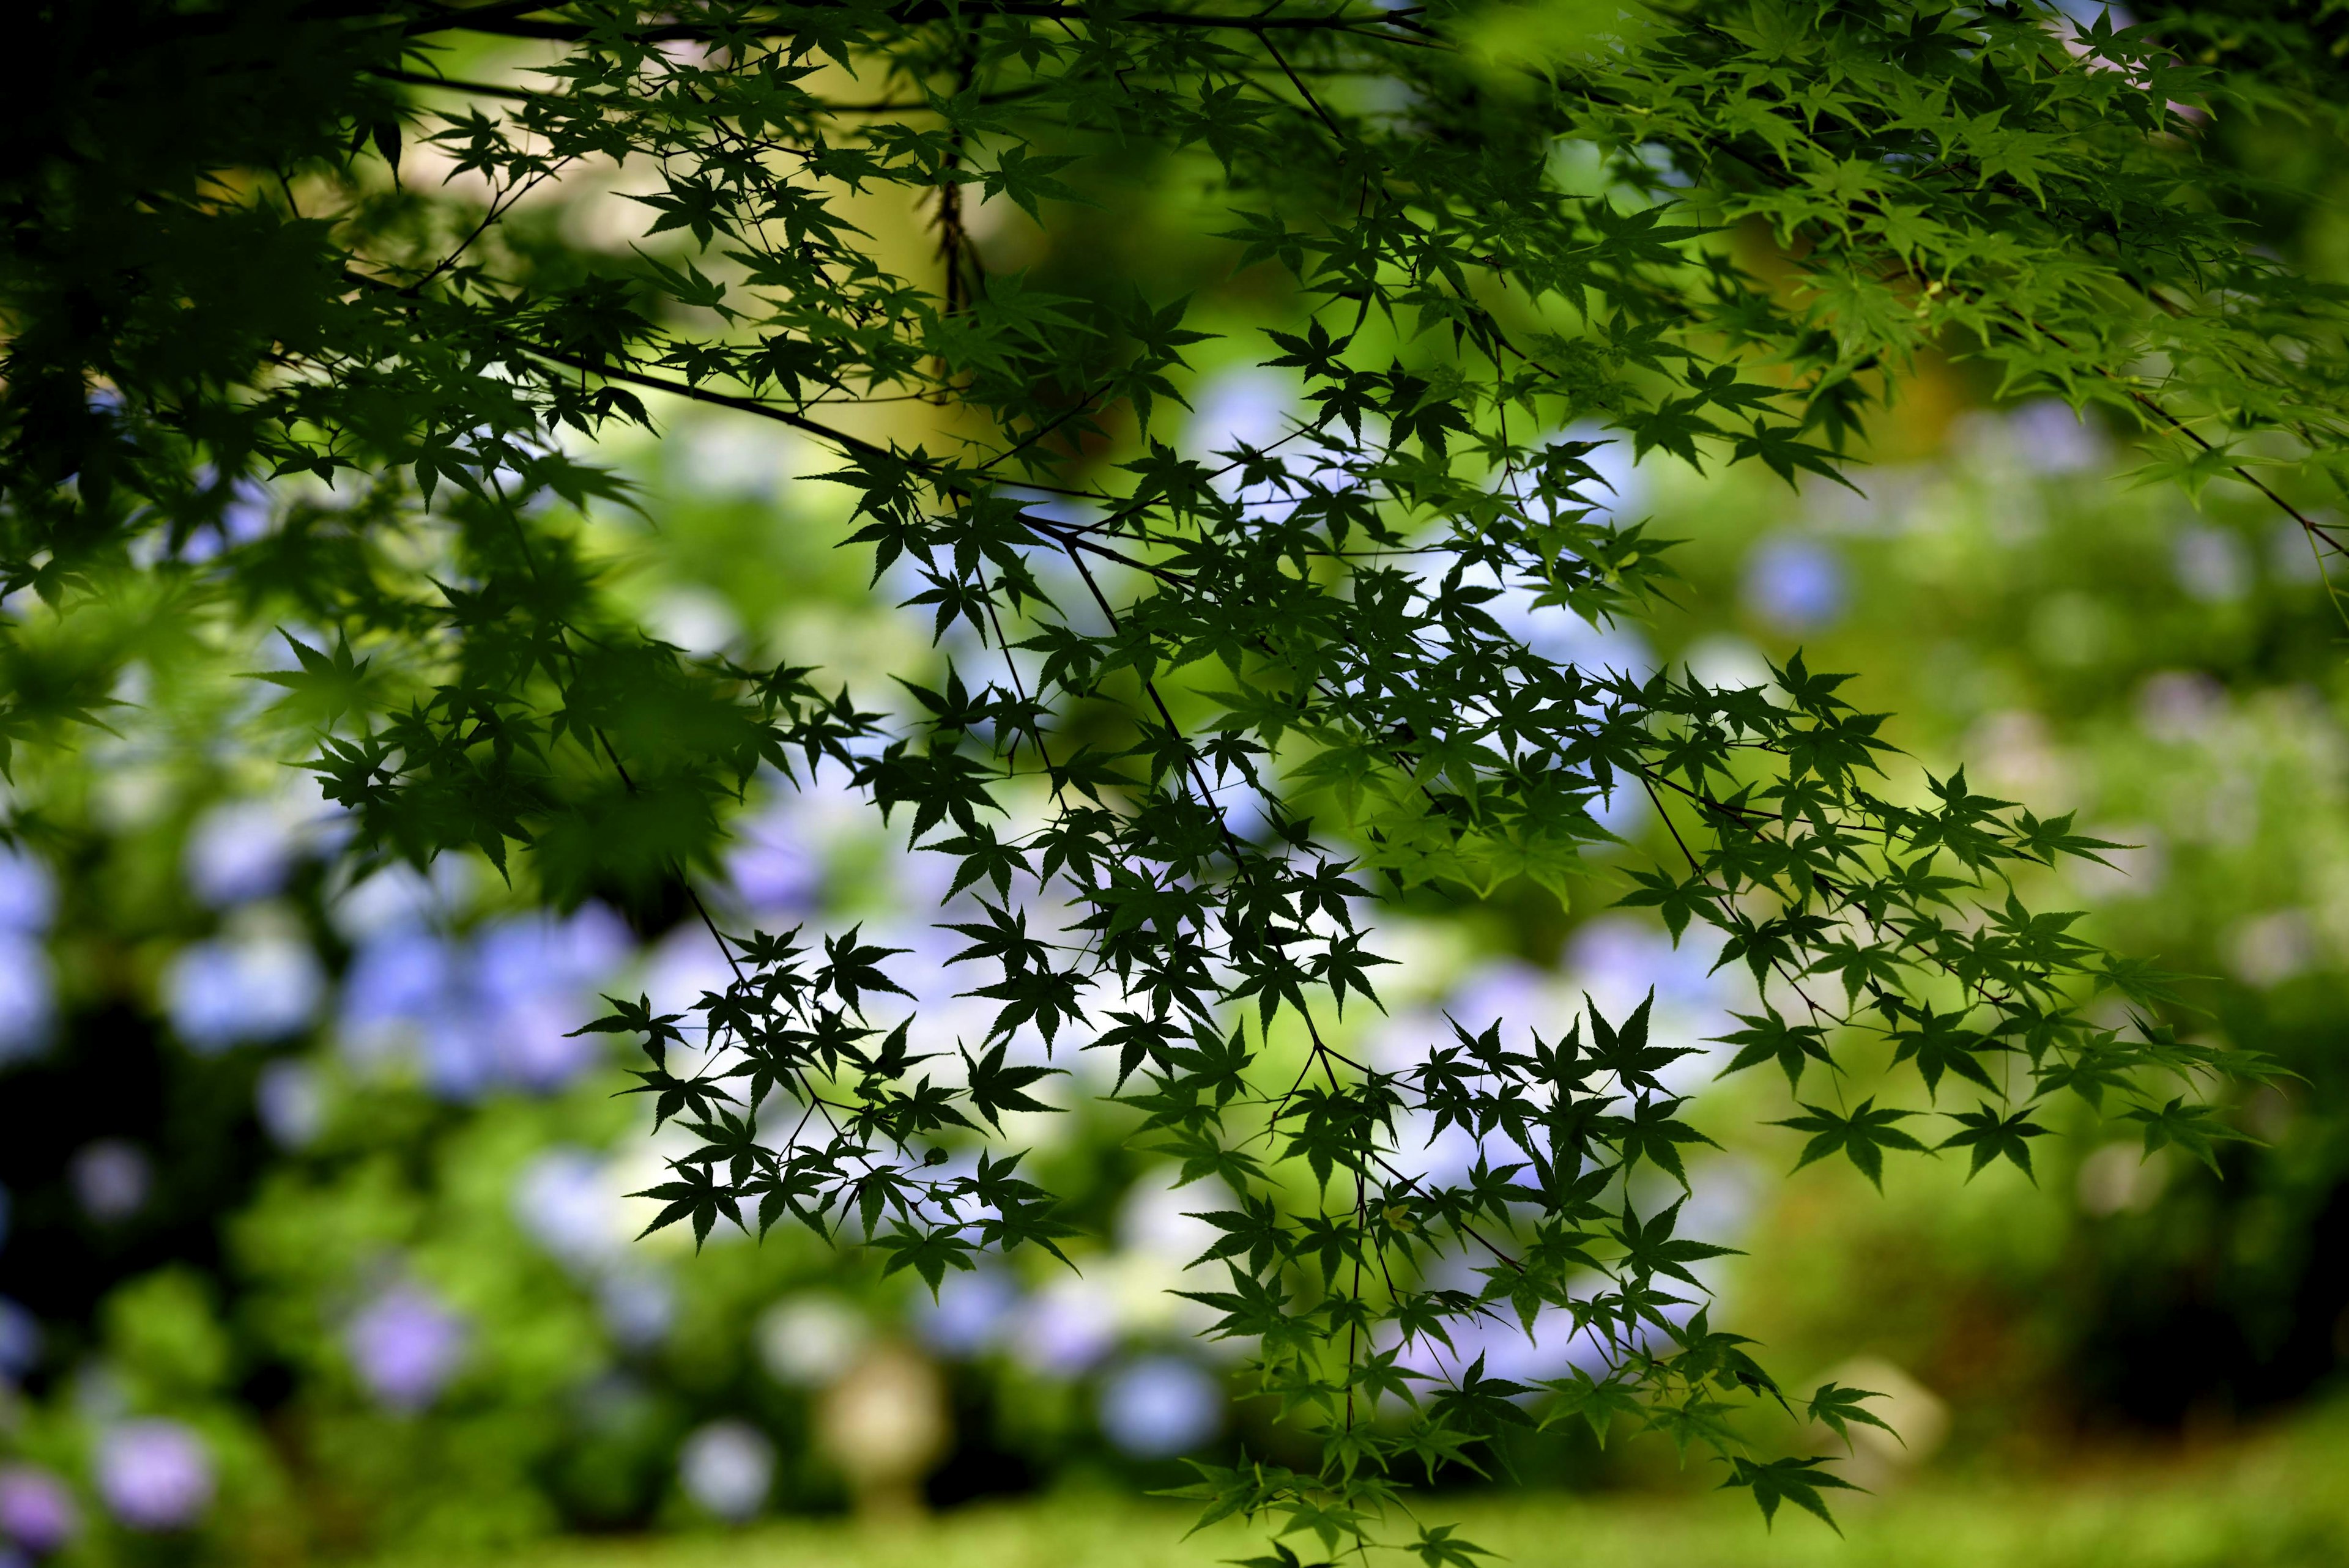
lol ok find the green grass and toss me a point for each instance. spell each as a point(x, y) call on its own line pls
point(2278, 1500)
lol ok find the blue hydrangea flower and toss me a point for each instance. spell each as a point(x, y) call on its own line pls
point(154, 1474)
point(1160, 1406)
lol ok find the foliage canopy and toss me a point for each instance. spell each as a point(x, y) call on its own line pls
point(1204, 712)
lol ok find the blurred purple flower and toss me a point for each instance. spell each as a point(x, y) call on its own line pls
point(405, 1345)
point(111, 1180)
point(28, 893)
point(27, 994)
point(535, 955)
point(400, 897)
point(400, 976)
point(1514, 994)
point(1552, 1349)
point(240, 850)
point(2212, 565)
point(2048, 436)
point(727, 1468)
point(36, 1512)
point(1618, 958)
point(1563, 637)
point(223, 993)
point(245, 514)
point(1160, 1406)
point(291, 1102)
point(1725, 1192)
point(536, 1049)
point(460, 1056)
point(498, 1012)
point(1247, 405)
point(1065, 1328)
point(155, 1474)
point(1795, 584)
point(27, 989)
point(638, 1307)
point(20, 1339)
point(969, 1313)
point(1441, 1158)
point(564, 1199)
point(1621, 810)
point(771, 865)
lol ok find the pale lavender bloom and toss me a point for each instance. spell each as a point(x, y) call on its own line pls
point(1444, 1158)
point(405, 989)
point(1160, 1406)
point(402, 976)
point(1553, 1349)
point(530, 981)
point(240, 850)
point(36, 1512)
point(2212, 565)
point(1795, 584)
point(27, 996)
point(969, 1314)
point(245, 516)
point(1065, 1328)
point(1557, 633)
point(1514, 994)
point(1621, 958)
point(111, 1180)
point(500, 1014)
point(688, 963)
point(249, 514)
point(223, 993)
point(1249, 405)
point(1621, 810)
point(564, 1199)
point(155, 1474)
point(401, 898)
point(2180, 706)
point(727, 1468)
point(2048, 436)
point(532, 955)
point(27, 984)
point(771, 865)
point(1723, 1194)
point(460, 1056)
point(292, 1104)
point(20, 1339)
point(28, 893)
point(638, 1307)
point(537, 1045)
point(405, 1345)
point(1623, 487)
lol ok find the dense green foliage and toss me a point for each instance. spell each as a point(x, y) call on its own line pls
point(1205, 714)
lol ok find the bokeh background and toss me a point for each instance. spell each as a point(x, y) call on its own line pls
point(315, 1241)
